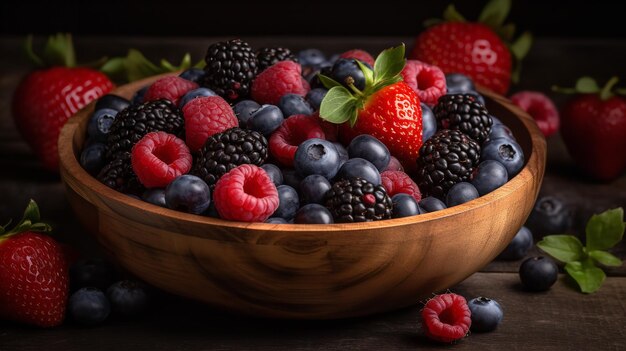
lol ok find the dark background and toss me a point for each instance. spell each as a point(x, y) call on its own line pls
point(210, 18)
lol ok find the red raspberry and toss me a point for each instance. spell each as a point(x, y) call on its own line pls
point(394, 165)
point(205, 116)
point(541, 108)
point(171, 88)
point(331, 130)
point(294, 130)
point(396, 182)
point(246, 193)
point(360, 55)
point(446, 318)
point(277, 80)
point(160, 157)
point(427, 80)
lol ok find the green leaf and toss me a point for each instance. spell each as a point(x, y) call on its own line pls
point(138, 66)
point(506, 32)
point(59, 51)
point(368, 73)
point(30, 54)
point(328, 82)
point(31, 212)
point(115, 68)
point(338, 105)
point(389, 63)
point(565, 248)
point(167, 66)
point(587, 85)
point(200, 64)
point(450, 14)
point(605, 258)
point(607, 91)
point(522, 45)
point(185, 63)
point(495, 12)
point(605, 230)
point(588, 276)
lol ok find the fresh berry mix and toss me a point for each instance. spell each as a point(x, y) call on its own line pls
point(247, 139)
point(486, 314)
point(446, 318)
point(538, 273)
point(519, 246)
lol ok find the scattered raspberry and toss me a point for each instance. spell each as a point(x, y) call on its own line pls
point(427, 80)
point(446, 318)
point(171, 88)
point(246, 193)
point(285, 140)
point(331, 130)
point(394, 165)
point(206, 116)
point(277, 80)
point(541, 108)
point(396, 182)
point(360, 55)
point(160, 157)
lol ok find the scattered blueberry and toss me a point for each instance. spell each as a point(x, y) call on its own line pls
point(461, 193)
point(111, 101)
point(315, 97)
point(501, 131)
point(429, 122)
point(361, 168)
point(538, 273)
point(92, 157)
point(486, 314)
point(188, 193)
point(313, 214)
point(404, 205)
point(369, 148)
point(94, 272)
point(196, 93)
point(288, 202)
point(291, 178)
point(314, 80)
point(138, 97)
point(505, 151)
point(294, 104)
point(128, 298)
point(274, 173)
point(244, 109)
point(154, 196)
point(343, 153)
point(348, 68)
point(212, 211)
point(489, 176)
point(311, 57)
point(266, 119)
point(519, 246)
point(549, 216)
point(316, 156)
point(193, 74)
point(459, 83)
point(100, 124)
point(276, 220)
point(432, 204)
point(89, 306)
point(313, 188)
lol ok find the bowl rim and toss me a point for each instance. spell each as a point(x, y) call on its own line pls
point(70, 166)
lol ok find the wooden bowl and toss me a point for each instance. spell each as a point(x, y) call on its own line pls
point(304, 271)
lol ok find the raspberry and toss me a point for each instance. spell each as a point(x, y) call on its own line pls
point(246, 193)
point(360, 55)
point(331, 130)
point(541, 108)
point(294, 130)
point(396, 182)
point(158, 158)
point(171, 88)
point(427, 80)
point(206, 116)
point(446, 318)
point(277, 80)
point(394, 165)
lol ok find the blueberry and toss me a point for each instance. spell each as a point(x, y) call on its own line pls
point(111, 101)
point(212, 211)
point(505, 151)
point(193, 74)
point(333, 59)
point(313, 214)
point(486, 314)
point(313, 188)
point(314, 80)
point(266, 119)
point(369, 148)
point(154, 196)
point(489, 176)
point(495, 121)
point(429, 122)
point(100, 124)
point(291, 178)
point(315, 97)
point(276, 220)
point(188, 193)
point(294, 104)
point(549, 216)
point(343, 153)
point(361, 168)
point(459, 83)
point(316, 156)
point(94, 272)
point(538, 273)
point(138, 97)
point(348, 68)
point(501, 131)
point(196, 93)
point(432, 204)
point(288, 202)
point(404, 205)
point(461, 193)
point(92, 158)
point(274, 173)
point(128, 298)
point(89, 306)
point(519, 246)
point(244, 109)
point(311, 57)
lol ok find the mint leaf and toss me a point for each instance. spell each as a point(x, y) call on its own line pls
point(339, 105)
point(605, 258)
point(367, 72)
point(522, 45)
point(389, 63)
point(31, 213)
point(59, 51)
point(565, 248)
point(328, 82)
point(588, 277)
point(587, 85)
point(495, 12)
point(450, 14)
point(605, 230)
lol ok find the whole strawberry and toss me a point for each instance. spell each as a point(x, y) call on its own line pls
point(34, 280)
point(479, 50)
point(47, 97)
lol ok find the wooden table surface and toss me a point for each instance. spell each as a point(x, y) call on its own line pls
point(560, 319)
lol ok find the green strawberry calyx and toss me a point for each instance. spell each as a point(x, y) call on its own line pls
point(342, 104)
point(588, 85)
point(30, 222)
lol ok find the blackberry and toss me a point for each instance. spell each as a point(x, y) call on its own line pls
point(118, 174)
point(447, 158)
point(357, 200)
point(230, 68)
point(134, 122)
point(227, 150)
point(463, 112)
point(269, 56)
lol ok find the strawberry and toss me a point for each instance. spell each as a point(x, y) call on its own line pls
point(34, 279)
point(593, 126)
point(47, 97)
point(478, 50)
point(387, 108)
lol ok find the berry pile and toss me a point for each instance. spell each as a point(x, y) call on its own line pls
point(283, 137)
